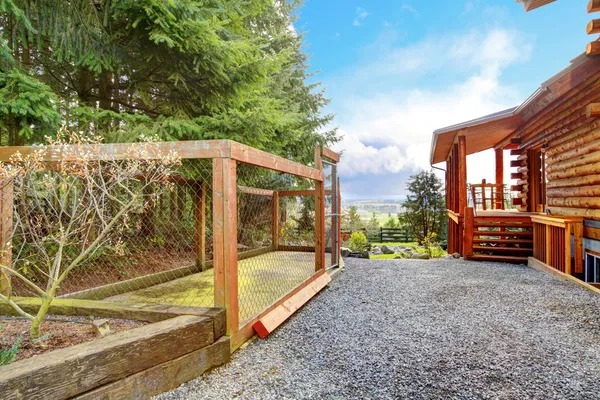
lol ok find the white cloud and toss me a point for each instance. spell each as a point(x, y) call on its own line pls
point(361, 14)
point(390, 131)
point(410, 8)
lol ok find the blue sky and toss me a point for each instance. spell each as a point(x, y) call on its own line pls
point(397, 70)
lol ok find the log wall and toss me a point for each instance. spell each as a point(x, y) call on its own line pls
point(570, 141)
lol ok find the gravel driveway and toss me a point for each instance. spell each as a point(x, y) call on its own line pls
point(424, 330)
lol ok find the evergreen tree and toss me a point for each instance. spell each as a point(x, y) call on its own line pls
point(352, 221)
point(185, 70)
point(392, 222)
point(425, 207)
point(373, 226)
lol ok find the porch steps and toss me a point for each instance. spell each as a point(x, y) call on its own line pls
point(498, 258)
point(503, 233)
point(505, 241)
point(500, 249)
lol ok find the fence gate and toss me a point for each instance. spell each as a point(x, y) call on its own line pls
point(333, 207)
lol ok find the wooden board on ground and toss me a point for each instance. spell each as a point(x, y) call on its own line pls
point(279, 315)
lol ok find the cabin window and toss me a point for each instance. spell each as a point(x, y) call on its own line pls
point(537, 181)
point(592, 268)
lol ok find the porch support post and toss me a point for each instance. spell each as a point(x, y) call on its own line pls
point(462, 188)
point(499, 179)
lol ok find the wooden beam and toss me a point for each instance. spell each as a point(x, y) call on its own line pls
point(515, 140)
point(192, 149)
point(592, 233)
point(275, 226)
point(225, 247)
point(296, 193)
point(256, 191)
point(593, 27)
point(469, 226)
point(319, 215)
point(593, 110)
point(529, 5)
point(330, 154)
point(593, 6)
point(200, 217)
point(6, 227)
point(269, 322)
point(592, 48)
point(259, 158)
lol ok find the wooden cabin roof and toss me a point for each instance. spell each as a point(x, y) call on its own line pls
point(495, 130)
point(533, 4)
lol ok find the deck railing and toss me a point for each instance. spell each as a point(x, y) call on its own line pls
point(557, 242)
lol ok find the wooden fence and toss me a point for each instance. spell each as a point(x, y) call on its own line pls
point(399, 235)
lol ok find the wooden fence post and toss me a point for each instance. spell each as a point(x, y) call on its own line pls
point(578, 233)
point(225, 240)
point(6, 226)
point(568, 248)
point(275, 227)
point(319, 214)
point(469, 228)
point(200, 216)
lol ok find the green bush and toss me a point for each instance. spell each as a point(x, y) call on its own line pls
point(358, 241)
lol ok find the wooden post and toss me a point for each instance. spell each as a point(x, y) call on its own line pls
point(462, 174)
point(319, 215)
point(578, 233)
point(334, 208)
point(549, 246)
point(275, 227)
point(499, 179)
point(568, 248)
point(200, 216)
point(6, 226)
point(225, 240)
point(469, 225)
point(339, 220)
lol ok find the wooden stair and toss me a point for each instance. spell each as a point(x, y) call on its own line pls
point(502, 239)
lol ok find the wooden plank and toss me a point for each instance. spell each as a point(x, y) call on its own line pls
point(70, 371)
point(6, 227)
point(540, 266)
point(247, 331)
point(275, 223)
point(256, 191)
point(330, 154)
point(225, 255)
point(499, 258)
point(319, 216)
point(567, 253)
point(559, 222)
point(279, 315)
point(259, 158)
point(200, 220)
point(593, 6)
point(296, 193)
point(166, 376)
point(193, 149)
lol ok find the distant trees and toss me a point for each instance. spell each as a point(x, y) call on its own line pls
point(373, 225)
point(352, 221)
point(425, 208)
point(392, 222)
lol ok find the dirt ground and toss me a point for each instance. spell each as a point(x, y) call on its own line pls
point(57, 332)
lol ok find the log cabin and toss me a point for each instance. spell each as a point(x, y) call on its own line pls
point(550, 217)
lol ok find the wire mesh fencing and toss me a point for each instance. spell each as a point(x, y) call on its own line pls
point(128, 236)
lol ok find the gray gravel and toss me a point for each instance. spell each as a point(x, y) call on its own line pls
point(424, 330)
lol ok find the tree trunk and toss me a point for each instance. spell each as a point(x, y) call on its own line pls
point(36, 323)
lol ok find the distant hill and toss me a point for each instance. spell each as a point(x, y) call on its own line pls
point(383, 208)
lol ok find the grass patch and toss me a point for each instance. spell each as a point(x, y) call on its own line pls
point(410, 244)
point(383, 256)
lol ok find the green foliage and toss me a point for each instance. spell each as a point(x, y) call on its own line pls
point(358, 241)
point(352, 221)
point(182, 70)
point(373, 226)
point(425, 206)
point(430, 242)
point(10, 354)
point(392, 222)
